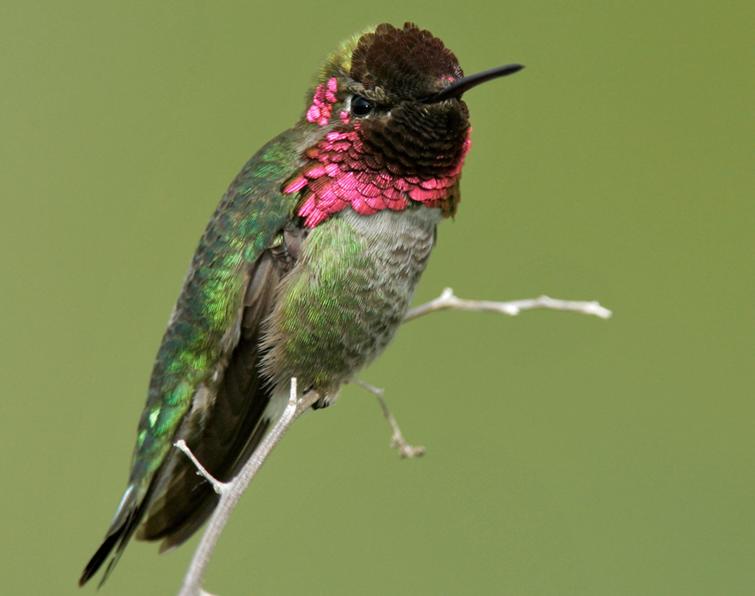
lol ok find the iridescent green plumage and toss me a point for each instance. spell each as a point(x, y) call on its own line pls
point(305, 270)
point(204, 326)
point(245, 223)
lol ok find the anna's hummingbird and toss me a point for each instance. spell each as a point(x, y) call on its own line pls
point(305, 270)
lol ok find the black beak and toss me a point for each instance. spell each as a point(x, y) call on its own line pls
point(464, 84)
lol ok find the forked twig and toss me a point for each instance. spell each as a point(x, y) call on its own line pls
point(230, 492)
point(405, 449)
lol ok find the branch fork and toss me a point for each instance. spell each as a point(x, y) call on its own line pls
point(405, 449)
point(230, 492)
point(217, 485)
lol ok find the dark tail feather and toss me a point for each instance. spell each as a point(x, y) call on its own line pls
point(124, 523)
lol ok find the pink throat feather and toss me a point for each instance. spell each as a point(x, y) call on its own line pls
point(341, 173)
point(322, 103)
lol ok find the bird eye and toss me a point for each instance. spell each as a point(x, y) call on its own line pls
point(361, 106)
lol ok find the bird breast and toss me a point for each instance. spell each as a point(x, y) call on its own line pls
point(343, 301)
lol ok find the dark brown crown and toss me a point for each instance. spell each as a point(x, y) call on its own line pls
point(410, 62)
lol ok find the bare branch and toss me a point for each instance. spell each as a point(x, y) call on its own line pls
point(405, 449)
point(218, 486)
point(448, 300)
point(231, 492)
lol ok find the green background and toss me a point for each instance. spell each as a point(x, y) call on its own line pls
point(567, 455)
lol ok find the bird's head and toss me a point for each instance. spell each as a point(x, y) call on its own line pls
point(388, 101)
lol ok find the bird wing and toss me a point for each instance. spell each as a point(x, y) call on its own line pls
point(205, 383)
point(223, 436)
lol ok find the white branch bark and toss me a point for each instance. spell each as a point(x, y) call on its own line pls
point(449, 301)
point(230, 492)
point(405, 449)
point(218, 486)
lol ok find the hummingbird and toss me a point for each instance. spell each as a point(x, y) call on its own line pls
point(306, 269)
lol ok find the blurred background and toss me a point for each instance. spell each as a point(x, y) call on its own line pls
point(566, 454)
